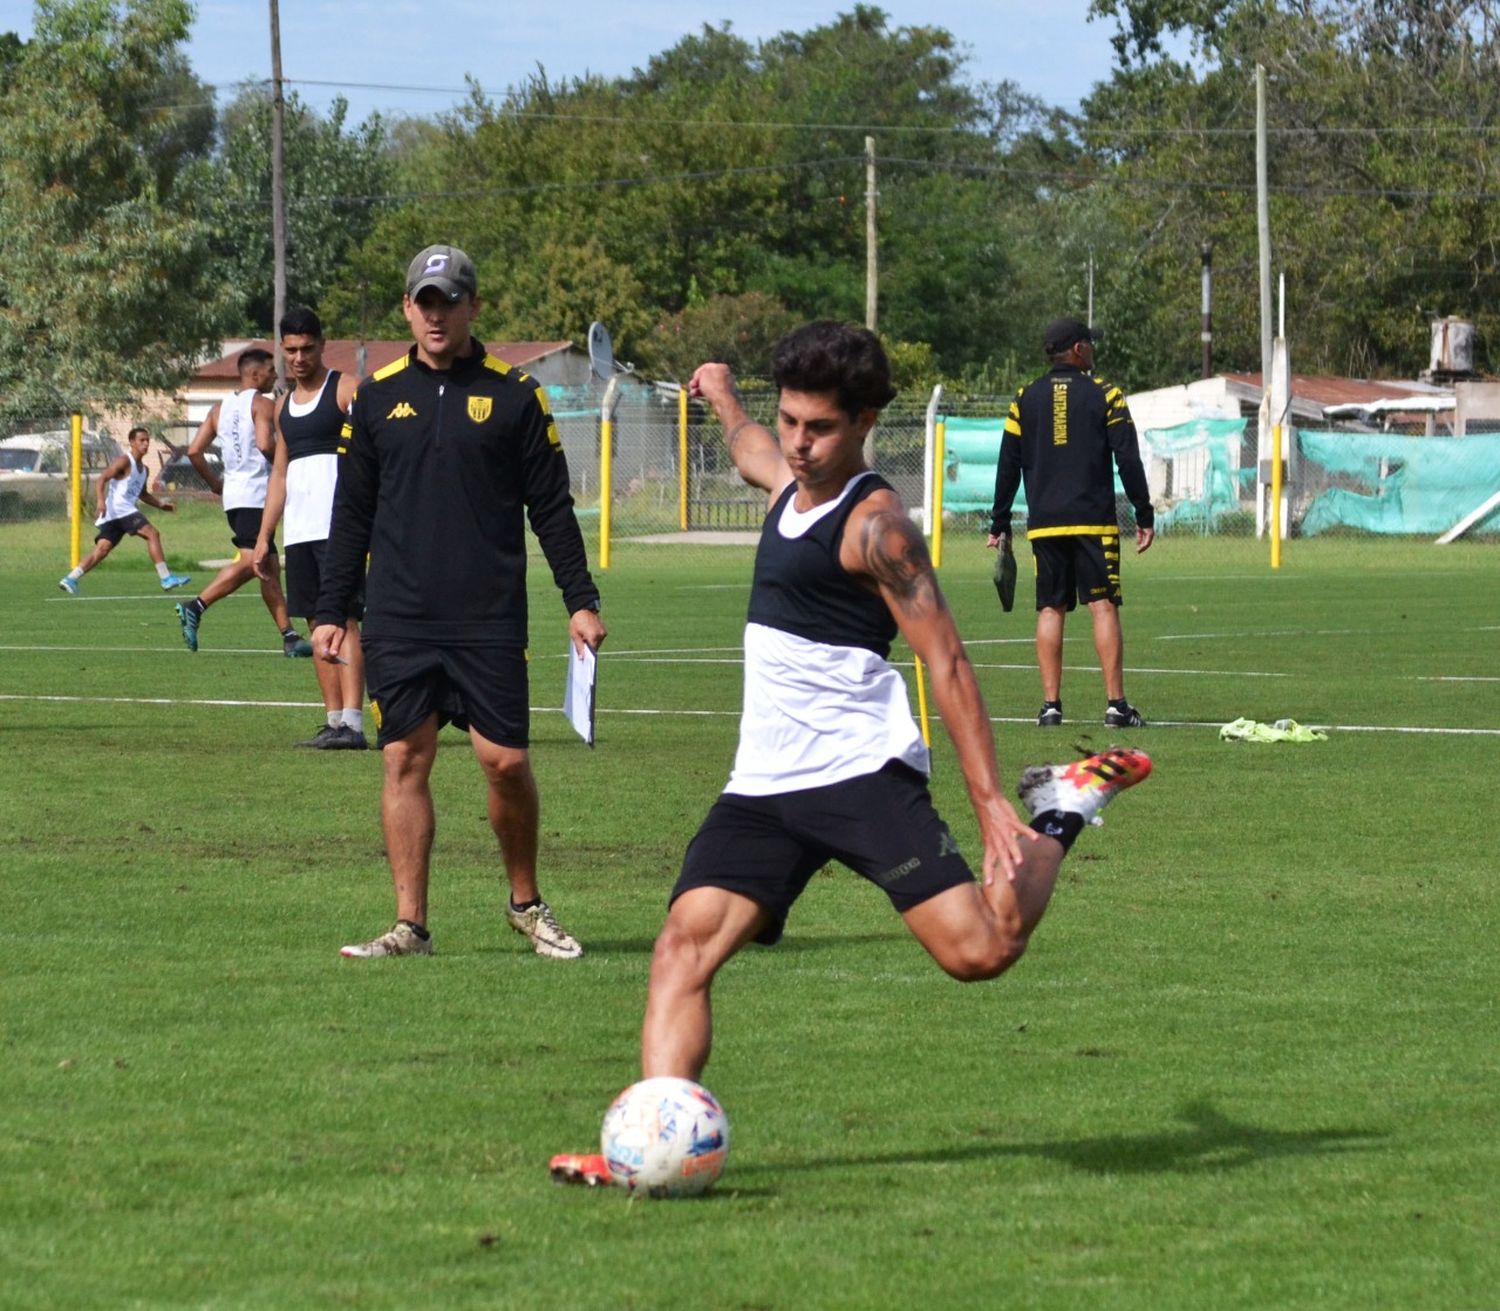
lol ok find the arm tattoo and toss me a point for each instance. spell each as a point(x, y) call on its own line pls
point(895, 556)
point(733, 434)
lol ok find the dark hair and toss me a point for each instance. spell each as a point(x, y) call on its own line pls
point(250, 358)
point(301, 322)
point(133, 432)
point(827, 356)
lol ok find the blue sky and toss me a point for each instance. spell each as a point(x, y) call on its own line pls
point(1047, 47)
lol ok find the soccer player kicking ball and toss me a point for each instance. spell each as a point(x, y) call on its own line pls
point(831, 765)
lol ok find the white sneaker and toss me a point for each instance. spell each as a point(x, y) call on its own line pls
point(1086, 786)
point(546, 934)
point(402, 940)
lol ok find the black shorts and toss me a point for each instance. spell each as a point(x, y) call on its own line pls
point(111, 530)
point(244, 527)
point(881, 825)
point(479, 687)
point(1078, 567)
point(304, 579)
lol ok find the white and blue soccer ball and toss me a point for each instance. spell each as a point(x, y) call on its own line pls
point(665, 1137)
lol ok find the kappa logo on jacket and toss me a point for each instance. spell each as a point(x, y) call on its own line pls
point(402, 411)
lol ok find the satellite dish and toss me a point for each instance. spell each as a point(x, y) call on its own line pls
point(601, 351)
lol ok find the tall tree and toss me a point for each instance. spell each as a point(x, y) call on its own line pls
point(104, 288)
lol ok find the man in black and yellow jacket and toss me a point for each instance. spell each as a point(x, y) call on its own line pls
point(447, 452)
point(1063, 433)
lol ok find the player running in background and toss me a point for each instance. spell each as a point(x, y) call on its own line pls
point(831, 765)
point(304, 473)
point(243, 427)
point(118, 491)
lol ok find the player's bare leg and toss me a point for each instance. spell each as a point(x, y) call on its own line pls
point(1049, 647)
point(704, 928)
point(407, 818)
point(351, 675)
point(1109, 643)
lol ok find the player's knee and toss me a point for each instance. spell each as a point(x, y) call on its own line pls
point(985, 959)
point(507, 771)
point(679, 957)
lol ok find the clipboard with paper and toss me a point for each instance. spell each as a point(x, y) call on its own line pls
point(578, 691)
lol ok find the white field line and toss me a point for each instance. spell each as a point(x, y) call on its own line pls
point(176, 595)
point(702, 714)
point(155, 650)
point(1292, 632)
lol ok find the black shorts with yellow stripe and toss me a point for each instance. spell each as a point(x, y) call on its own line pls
point(1076, 567)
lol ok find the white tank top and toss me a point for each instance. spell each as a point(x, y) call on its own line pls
point(814, 712)
point(310, 484)
point(122, 494)
point(246, 470)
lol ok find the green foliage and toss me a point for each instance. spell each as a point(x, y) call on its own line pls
point(105, 286)
point(335, 180)
point(735, 330)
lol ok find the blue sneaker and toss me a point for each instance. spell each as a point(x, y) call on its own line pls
point(175, 580)
point(68, 584)
point(189, 621)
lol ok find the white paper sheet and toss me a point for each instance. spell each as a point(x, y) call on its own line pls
point(578, 694)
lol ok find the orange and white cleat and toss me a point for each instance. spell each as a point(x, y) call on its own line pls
point(586, 1168)
point(1086, 786)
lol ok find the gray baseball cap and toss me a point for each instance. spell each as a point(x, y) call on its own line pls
point(445, 267)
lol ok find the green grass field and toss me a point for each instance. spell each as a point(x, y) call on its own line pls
point(1250, 1061)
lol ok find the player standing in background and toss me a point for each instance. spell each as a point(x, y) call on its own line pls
point(831, 764)
point(450, 452)
point(1061, 434)
point(243, 425)
point(309, 421)
point(118, 492)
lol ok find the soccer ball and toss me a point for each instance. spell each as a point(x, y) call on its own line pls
point(665, 1137)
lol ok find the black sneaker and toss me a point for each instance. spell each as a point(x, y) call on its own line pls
point(1049, 716)
point(1128, 717)
point(295, 647)
point(326, 738)
point(349, 739)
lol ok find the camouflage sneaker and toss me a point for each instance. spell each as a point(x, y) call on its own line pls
point(546, 934)
point(402, 940)
point(1086, 786)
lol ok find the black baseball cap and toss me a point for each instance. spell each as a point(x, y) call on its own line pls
point(1065, 332)
point(445, 267)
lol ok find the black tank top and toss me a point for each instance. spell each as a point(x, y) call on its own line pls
point(317, 431)
point(800, 587)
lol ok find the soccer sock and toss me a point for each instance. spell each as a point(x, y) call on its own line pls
point(76, 572)
point(1051, 705)
point(335, 718)
point(162, 571)
point(290, 633)
point(354, 719)
point(1118, 703)
point(197, 606)
point(1064, 825)
point(535, 901)
point(416, 928)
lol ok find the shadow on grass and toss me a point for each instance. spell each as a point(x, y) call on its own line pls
point(1211, 1142)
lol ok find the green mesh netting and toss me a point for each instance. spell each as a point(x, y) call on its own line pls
point(1391, 483)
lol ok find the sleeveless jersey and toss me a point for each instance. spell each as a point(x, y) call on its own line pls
point(121, 494)
point(311, 430)
point(821, 703)
point(246, 470)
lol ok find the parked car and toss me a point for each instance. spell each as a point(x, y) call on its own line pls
point(34, 468)
point(178, 474)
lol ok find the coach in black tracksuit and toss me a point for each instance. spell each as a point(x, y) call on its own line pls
point(1063, 433)
point(447, 452)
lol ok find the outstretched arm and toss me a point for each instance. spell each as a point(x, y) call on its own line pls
point(755, 452)
point(882, 544)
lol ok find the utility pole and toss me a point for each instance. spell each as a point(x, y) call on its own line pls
point(1207, 334)
point(1263, 224)
point(278, 189)
point(1091, 287)
point(872, 258)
